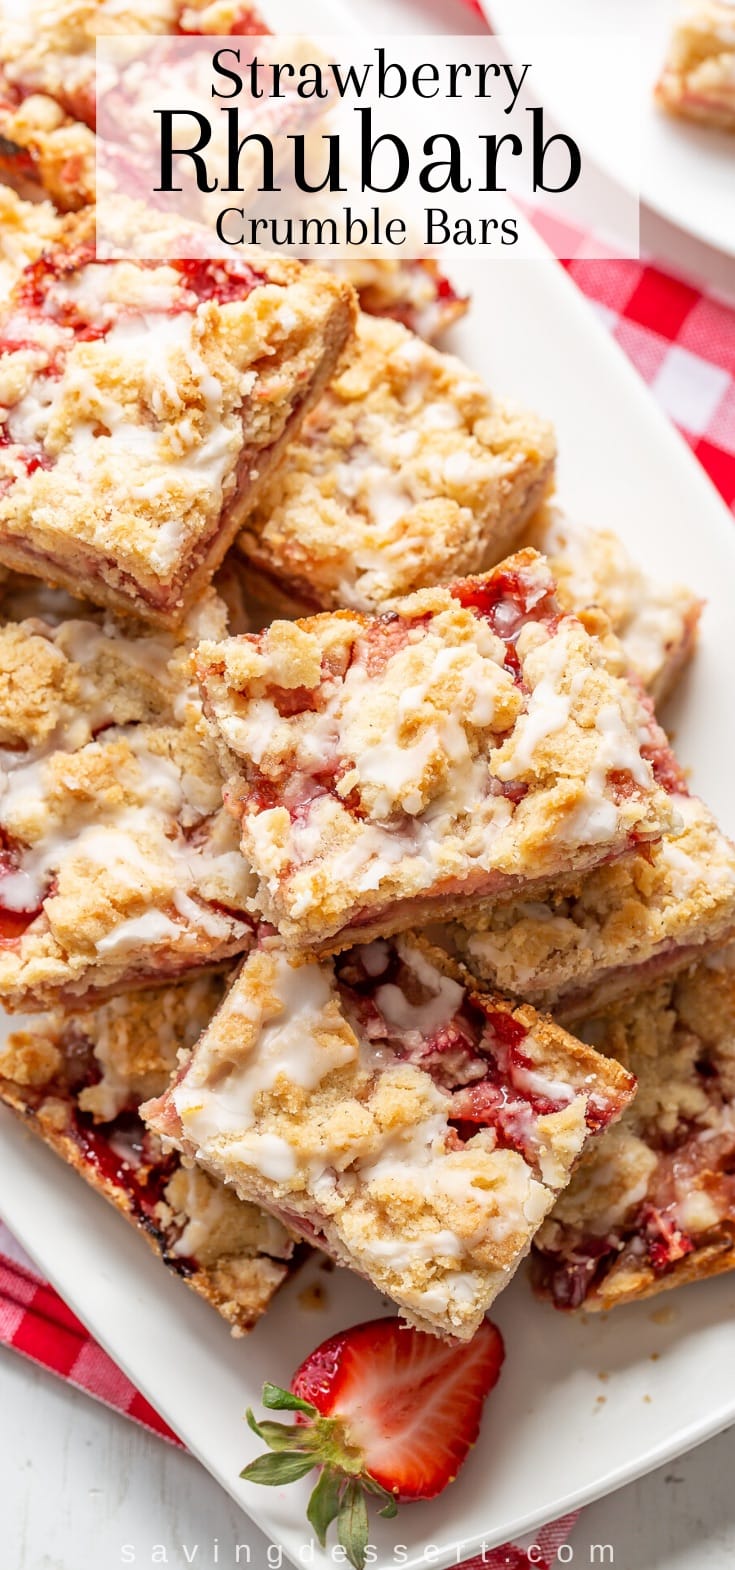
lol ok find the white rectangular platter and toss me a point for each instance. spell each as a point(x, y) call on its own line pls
point(548, 1443)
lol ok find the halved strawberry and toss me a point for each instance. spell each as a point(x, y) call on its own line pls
point(381, 1409)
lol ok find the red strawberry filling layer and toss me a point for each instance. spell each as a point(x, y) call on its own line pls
point(121, 1154)
point(480, 1055)
point(46, 294)
point(15, 916)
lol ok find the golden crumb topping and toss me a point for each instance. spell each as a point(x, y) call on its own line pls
point(576, 950)
point(406, 474)
point(143, 403)
point(655, 623)
point(468, 738)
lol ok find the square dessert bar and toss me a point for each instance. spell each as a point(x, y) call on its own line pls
point(76, 1081)
point(415, 293)
point(656, 624)
point(621, 926)
point(405, 474)
point(468, 744)
point(698, 79)
point(652, 1205)
point(119, 865)
point(378, 1105)
point(143, 404)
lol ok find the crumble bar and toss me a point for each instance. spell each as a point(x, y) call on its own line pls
point(119, 865)
point(698, 79)
point(415, 293)
point(652, 1206)
point(470, 743)
point(656, 624)
point(619, 928)
point(405, 474)
point(143, 405)
point(379, 1105)
point(76, 1080)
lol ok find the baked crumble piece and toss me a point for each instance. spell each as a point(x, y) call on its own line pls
point(652, 1205)
point(26, 228)
point(405, 474)
point(41, 145)
point(415, 293)
point(380, 1106)
point(118, 863)
point(143, 405)
point(468, 744)
point(698, 79)
point(618, 928)
point(656, 624)
point(77, 1079)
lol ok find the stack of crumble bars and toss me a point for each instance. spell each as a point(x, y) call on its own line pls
point(301, 916)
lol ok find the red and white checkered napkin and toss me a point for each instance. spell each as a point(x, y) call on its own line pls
point(679, 337)
point(35, 1321)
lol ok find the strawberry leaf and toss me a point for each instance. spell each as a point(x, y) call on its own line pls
point(323, 1507)
point(390, 1502)
point(272, 1470)
point(282, 1436)
point(352, 1524)
point(278, 1400)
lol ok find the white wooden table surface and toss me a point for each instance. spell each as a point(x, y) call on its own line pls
point(84, 1489)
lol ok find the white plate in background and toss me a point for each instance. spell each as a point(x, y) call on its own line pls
point(687, 170)
point(548, 1443)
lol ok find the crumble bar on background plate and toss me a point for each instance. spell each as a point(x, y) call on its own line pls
point(143, 405)
point(415, 293)
point(416, 1129)
point(698, 79)
point(470, 743)
point(652, 1206)
point(656, 624)
point(76, 1080)
point(406, 474)
point(619, 928)
point(119, 864)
